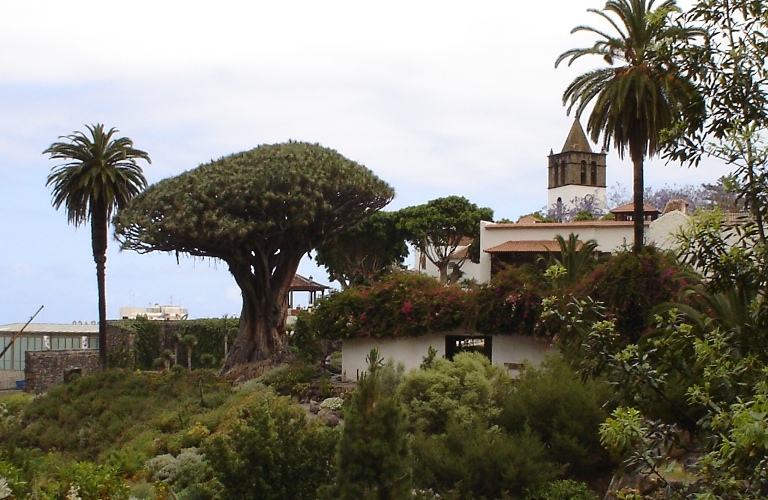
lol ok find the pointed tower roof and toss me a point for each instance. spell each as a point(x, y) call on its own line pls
point(577, 139)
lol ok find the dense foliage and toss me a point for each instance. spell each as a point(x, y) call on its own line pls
point(266, 449)
point(400, 305)
point(630, 285)
point(510, 303)
point(259, 211)
point(212, 336)
point(362, 254)
point(439, 227)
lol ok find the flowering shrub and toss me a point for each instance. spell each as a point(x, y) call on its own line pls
point(402, 305)
point(631, 284)
point(333, 404)
point(510, 303)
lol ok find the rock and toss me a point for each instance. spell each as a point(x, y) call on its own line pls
point(314, 407)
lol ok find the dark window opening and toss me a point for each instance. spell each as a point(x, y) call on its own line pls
point(455, 344)
point(594, 174)
point(583, 172)
point(71, 375)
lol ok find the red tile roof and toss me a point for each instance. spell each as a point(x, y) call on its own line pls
point(302, 284)
point(561, 225)
point(527, 246)
point(630, 208)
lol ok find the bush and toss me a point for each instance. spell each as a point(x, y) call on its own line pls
point(401, 305)
point(462, 390)
point(563, 412)
point(186, 472)
point(373, 447)
point(510, 303)
point(89, 481)
point(564, 489)
point(267, 449)
point(477, 461)
point(631, 284)
point(304, 341)
point(289, 380)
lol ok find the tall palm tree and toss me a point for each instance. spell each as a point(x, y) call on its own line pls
point(99, 175)
point(642, 93)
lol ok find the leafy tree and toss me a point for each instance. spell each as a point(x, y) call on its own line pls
point(579, 208)
point(642, 92)
point(99, 175)
point(438, 228)
point(721, 194)
point(364, 252)
point(260, 211)
point(731, 73)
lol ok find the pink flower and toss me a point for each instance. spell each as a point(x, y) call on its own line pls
point(407, 307)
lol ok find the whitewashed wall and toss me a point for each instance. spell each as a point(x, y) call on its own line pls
point(411, 351)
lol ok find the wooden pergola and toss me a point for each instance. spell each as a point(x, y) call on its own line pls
point(302, 284)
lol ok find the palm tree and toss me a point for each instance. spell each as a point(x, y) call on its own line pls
point(99, 175)
point(576, 257)
point(189, 341)
point(642, 93)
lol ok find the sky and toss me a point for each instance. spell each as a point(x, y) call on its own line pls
point(437, 98)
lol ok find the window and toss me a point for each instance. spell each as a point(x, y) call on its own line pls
point(455, 344)
point(562, 173)
point(594, 174)
point(583, 172)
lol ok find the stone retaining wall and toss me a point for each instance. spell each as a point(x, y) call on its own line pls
point(46, 369)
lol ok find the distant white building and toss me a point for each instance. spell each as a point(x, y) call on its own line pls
point(573, 174)
point(157, 313)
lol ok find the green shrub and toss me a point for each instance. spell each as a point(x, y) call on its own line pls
point(462, 390)
point(373, 448)
point(304, 340)
point(266, 449)
point(563, 412)
point(289, 380)
point(12, 481)
point(477, 461)
point(89, 481)
point(564, 489)
point(187, 472)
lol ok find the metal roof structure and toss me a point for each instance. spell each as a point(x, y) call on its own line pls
point(52, 328)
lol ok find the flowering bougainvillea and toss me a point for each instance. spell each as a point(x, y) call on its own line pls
point(403, 305)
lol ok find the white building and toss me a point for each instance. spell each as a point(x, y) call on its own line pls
point(574, 173)
point(157, 313)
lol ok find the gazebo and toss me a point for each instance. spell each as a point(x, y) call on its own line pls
point(302, 284)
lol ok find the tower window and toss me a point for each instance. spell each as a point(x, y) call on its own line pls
point(562, 173)
point(594, 174)
point(583, 172)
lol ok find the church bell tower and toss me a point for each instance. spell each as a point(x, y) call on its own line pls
point(576, 173)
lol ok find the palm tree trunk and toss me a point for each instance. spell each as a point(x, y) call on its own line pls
point(638, 213)
point(99, 245)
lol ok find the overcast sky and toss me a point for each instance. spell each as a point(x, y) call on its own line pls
point(437, 98)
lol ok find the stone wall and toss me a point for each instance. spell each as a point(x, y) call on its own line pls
point(46, 369)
